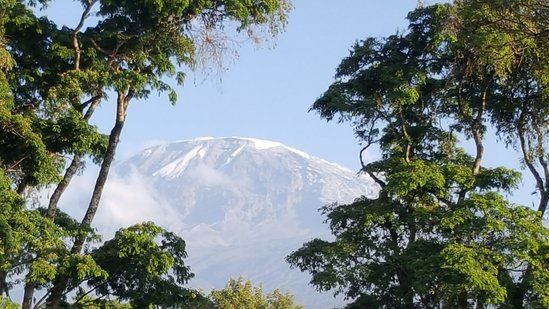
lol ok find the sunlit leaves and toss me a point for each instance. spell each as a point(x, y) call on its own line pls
point(242, 294)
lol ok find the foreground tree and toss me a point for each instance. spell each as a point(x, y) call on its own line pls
point(31, 147)
point(439, 233)
point(53, 77)
point(144, 265)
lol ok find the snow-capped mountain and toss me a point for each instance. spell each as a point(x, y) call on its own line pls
point(241, 204)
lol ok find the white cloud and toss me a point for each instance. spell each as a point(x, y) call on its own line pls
point(125, 201)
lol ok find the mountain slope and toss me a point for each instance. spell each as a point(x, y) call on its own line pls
point(241, 204)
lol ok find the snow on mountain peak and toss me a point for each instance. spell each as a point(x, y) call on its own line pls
point(178, 166)
point(264, 144)
point(259, 144)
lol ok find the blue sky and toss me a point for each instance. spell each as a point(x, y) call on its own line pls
point(267, 90)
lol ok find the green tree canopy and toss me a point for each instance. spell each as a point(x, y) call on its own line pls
point(440, 232)
point(145, 266)
point(53, 77)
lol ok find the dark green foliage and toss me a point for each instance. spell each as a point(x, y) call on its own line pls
point(37, 127)
point(440, 232)
point(145, 266)
point(416, 241)
point(52, 78)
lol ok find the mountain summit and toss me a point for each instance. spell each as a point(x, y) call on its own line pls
point(242, 205)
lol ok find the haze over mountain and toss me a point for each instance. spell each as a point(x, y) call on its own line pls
point(241, 204)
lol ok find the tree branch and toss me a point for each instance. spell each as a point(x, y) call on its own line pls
point(75, 32)
point(476, 128)
point(526, 153)
point(88, 292)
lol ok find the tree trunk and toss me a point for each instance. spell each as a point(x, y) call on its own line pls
point(69, 173)
point(28, 296)
point(405, 287)
point(463, 300)
point(114, 138)
point(477, 136)
point(522, 288)
point(476, 128)
point(542, 186)
point(76, 163)
point(50, 213)
point(60, 283)
point(21, 187)
point(543, 202)
point(73, 167)
point(541, 183)
point(3, 284)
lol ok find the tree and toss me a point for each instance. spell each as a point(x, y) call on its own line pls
point(439, 233)
point(144, 265)
point(29, 156)
point(240, 294)
point(506, 42)
point(52, 79)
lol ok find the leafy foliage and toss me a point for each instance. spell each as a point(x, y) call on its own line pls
point(240, 294)
point(52, 78)
point(7, 303)
point(145, 266)
point(440, 232)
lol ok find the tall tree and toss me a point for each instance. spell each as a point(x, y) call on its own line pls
point(61, 74)
point(31, 147)
point(439, 233)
